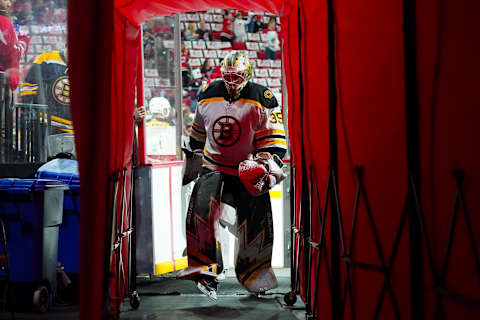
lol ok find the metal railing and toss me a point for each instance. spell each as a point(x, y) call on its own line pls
point(24, 128)
point(24, 133)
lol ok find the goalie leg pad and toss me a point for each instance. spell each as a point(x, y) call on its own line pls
point(203, 249)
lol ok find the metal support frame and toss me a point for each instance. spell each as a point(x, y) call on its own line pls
point(386, 265)
point(111, 215)
point(178, 85)
point(439, 274)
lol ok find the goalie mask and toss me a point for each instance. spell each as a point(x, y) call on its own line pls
point(236, 71)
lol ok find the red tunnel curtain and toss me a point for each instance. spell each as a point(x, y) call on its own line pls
point(449, 67)
point(370, 124)
point(90, 33)
point(371, 134)
point(372, 156)
point(372, 131)
point(103, 60)
point(306, 58)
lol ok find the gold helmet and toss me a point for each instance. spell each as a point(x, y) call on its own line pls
point(236, 71)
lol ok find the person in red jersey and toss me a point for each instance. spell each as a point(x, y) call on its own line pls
point(11, 47)
point(227, 29)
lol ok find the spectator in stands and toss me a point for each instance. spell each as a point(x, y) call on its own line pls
point(54, 15)
point(202, 32)
point(39, 10)
point(207, 68)
point(239, 28)
point(190, 33)
point(24, 13)
point(186, 73)
point(227, 29)
point(184, 55)
point(255, 24)
point(148, 44)
point(47, 83)
point(159, 27)
point(272, 44)
point(11, 47)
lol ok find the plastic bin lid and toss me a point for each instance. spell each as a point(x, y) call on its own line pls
point(69, 179)
point(28, 185)
point(64, 170)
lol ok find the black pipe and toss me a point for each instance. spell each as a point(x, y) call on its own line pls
point(332, 86)
point(293, 249)
point(305, 201)
point(413, 157)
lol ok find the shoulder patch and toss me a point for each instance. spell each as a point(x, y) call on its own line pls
point(263, 95)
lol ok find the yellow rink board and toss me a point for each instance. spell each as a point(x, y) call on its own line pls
point(167, 266)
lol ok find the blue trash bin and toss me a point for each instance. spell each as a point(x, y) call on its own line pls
point(66, 171)
point(32, 212)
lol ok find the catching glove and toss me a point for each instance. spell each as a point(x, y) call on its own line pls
point(261, 172)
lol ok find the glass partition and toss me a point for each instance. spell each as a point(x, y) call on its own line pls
point(160, 89)
point(35, 120)
point(205, 37)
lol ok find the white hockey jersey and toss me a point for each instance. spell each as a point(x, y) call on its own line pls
point(228, 131)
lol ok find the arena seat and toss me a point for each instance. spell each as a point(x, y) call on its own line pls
point(195, 53)
point(216, 35)
point(252, 54)
point(273, 82)
point(252, 46)
point(239, 46)
point(198, 45)
point(216, 27)
point(218, 18)
point(194, 62)
point(261, 81)
point(221, 53)
point(265, 63)
point(192, 17)
point(261, 73)
point(253, 37)
point(207, 17)
point(275, 73)
point(210, 53)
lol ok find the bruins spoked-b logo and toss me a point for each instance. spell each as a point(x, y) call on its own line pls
point(226, 131)
point(61, 90)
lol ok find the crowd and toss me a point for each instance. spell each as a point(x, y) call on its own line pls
point(235, 27)
point(33, 20)
point(39, 12)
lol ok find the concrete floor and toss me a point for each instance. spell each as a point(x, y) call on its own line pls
point(168, 298)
